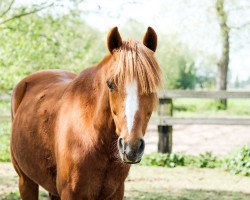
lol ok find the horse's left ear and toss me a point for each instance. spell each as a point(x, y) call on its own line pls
point(150, 39)
point(114, 40)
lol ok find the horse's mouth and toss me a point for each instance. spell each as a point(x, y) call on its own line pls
point(127, 161)
point(131, 162)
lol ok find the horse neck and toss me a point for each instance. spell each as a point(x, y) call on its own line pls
point(92, 90)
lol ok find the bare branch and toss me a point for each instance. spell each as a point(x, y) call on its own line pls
point(8, 9)
point(27, 13)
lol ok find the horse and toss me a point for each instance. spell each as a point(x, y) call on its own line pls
point(76, 135)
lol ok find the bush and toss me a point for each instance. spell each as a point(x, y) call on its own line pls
point(164, 160)
point(239, 163)
point(208, 160)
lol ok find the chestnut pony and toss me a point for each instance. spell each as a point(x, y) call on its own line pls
point(76, 135)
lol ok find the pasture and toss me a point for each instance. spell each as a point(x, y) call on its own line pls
point(156, 183)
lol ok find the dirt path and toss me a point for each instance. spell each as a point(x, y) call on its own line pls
point(196, 139)
point(159, 183)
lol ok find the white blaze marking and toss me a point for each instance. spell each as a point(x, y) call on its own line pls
point(131, 104)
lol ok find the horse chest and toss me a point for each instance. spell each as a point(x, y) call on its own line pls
point(112, 180)
point(95, 178)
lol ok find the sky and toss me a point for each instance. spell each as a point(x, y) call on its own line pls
point(193, 22)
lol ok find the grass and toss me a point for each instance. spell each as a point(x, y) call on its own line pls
point(207, 107)
point(161, 195)
point(187, 195)
point(159, 183)
point(16, 196)
point(5, 141)
point(185, 183)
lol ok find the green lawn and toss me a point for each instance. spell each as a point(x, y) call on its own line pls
point(207, 107)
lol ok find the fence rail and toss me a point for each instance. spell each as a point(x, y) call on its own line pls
point(166, 119)
point(203, 94)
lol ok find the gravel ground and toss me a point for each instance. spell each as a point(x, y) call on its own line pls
point(196, 139)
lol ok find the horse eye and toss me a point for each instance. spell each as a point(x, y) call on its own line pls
point(149, 114)
point(110, 85)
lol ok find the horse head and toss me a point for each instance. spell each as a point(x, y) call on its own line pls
point(133, 80)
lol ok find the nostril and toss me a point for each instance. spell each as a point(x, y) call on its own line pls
point(141, 146)
point(121, 144)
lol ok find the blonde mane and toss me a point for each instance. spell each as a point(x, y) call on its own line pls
point(134, 61)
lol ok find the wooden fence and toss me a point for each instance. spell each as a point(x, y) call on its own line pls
point(166, 119)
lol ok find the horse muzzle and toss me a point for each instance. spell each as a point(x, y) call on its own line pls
point(131, 152)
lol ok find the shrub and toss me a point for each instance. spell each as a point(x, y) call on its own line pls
point(239, 163)
point(208, 160)
point(164, 160)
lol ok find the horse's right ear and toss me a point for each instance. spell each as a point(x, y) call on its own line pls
point(114, 40)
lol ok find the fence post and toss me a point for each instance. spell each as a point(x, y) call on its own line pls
point(165, 132)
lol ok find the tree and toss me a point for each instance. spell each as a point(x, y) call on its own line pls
point(224, 59)
point(33, 43)
point(225, 30)
point(9, 13)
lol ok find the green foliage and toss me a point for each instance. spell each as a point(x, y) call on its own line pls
point(206, 107)
point(176, 62)
point(239, 163)
point(186, 78)
point(10, 196)
point(66, 42)
point(35, 43)
point(164, 160)
point(208, 160)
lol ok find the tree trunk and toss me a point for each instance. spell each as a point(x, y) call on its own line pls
point(224, 60)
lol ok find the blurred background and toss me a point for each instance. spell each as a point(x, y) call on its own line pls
point(202, 46)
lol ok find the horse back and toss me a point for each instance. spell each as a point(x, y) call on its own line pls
point(37, 83)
